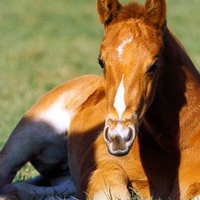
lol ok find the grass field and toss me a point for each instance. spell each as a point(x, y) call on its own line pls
point(44, 43)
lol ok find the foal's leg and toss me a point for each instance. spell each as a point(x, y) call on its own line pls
point(33, 141)
point(102, 175)
point(17, 150)
point(63, 188)
point(108, 181)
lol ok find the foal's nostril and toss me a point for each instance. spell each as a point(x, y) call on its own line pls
point(130, 135)
point(106, 134)
point(110, 136)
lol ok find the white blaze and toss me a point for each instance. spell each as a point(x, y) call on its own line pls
point(120, 48)
point(119, 102)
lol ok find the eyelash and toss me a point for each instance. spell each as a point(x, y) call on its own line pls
point(153, 68)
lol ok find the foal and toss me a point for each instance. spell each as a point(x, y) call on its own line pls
point(150, 100)
point(153, 94)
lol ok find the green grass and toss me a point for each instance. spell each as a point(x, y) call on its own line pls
point(43, 43)
point(46, 42)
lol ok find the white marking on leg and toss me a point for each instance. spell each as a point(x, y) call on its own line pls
point(119, 102)
point(120, 48)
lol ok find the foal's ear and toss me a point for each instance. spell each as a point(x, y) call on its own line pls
point(107, 10)
point(156, 13)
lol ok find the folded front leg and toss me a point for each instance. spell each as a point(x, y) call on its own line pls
point(17, 151)
point(108, 181)
point(35, 141)
point(23, 191)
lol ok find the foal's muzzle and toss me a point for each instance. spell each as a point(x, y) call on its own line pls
point(119, 139)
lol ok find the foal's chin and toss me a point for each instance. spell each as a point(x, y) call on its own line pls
point(119, 151)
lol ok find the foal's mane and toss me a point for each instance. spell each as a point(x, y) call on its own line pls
point(131, 10)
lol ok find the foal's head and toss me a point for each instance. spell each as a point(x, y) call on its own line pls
point(129, 56)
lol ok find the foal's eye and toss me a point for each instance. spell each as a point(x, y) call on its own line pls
point(153, 68)
point(101, 63)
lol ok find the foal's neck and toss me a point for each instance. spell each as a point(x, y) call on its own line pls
point(178, 93)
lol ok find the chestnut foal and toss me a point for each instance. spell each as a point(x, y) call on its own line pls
point(153, 94)
point(149, 99)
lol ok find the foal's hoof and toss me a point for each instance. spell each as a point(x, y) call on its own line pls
point(196, 197)
point(7, 197)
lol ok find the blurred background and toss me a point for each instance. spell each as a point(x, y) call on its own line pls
point(46, 42)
